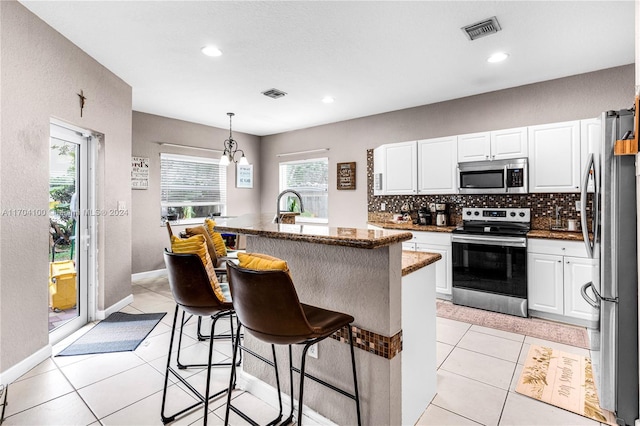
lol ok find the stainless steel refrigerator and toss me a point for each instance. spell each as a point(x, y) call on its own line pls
point(614, 290)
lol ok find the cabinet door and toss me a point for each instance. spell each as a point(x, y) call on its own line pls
point(509, 143)
point(401, 168)
point(437, 166)
point(554, 157)
point(577, 272)
point(378, 170)
point(590, 137)
point(474, 147)
point(443, 266)
point(545, 283)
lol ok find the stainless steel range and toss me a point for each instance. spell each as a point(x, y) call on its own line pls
point(490, 259)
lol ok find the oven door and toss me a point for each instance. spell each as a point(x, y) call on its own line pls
point(490, 264)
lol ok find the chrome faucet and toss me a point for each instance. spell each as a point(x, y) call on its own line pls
point(278, 211)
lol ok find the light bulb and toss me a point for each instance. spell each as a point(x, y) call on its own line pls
point(243, 161)
point(224, 160)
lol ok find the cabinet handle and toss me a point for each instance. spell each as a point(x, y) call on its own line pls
point(486, 157)
point(559, 261)
point(568, 262)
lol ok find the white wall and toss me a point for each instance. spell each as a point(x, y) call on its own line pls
point(41, 74)
point(148, 130)
point(576, 97)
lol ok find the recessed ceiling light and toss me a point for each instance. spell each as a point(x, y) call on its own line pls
point(328, 99)
point(211, 51)
point(498, 57)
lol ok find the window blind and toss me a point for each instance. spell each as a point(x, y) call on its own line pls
point(311, 179)
point(191, 181)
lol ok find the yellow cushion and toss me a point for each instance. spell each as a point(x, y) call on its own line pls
point(197, 245)
point(259, 261)
point(200, 230)
point(218, 242)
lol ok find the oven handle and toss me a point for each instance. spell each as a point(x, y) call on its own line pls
point(490, 241)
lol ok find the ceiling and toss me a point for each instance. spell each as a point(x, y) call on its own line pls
point(372, 57)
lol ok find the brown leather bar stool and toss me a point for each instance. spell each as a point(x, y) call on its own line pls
point(267, 305)
point(193, 294)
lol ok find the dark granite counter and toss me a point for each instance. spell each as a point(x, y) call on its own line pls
point(262, 225)
point(410, 226)
point(414, 260)
point(556, 235)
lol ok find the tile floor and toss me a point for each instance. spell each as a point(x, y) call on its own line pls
point(477, 370)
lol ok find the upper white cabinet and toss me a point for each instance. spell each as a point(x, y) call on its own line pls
point(396, 169)
point(437, 166)
point(554, 157)
point(474, 147)
point(590, 137)
point(495, 145)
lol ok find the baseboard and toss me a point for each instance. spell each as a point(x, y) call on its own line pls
point(100, 315)
point(13, 373)
point(269, 394)
point(149, 274)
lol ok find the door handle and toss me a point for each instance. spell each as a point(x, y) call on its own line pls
point(589, 300)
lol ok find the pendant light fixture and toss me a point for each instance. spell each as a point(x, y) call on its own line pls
point(231, 148)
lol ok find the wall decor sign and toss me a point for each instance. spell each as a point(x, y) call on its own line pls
point(347, 175)
point(244, 176)
point(139, 173)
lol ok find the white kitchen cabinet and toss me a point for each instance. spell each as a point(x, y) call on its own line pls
point(590, 137)
point(554, 157)
point(545, 283)
point(509, 143)
point(556, 272)
point(577, 272)
point(397, 169)
point(495, 145)
point(438, 242)
point(474, 147)
point(437, 165)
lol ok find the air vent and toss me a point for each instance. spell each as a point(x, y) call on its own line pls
point(482, 28)
point(274, 93)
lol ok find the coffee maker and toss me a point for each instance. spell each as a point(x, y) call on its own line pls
point(441, 214)
point(424, 216)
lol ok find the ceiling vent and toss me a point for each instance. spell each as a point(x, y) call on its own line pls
point(274, 93)
point(482, 28)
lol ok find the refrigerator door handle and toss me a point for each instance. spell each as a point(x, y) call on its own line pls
point(585, 296)
point(583, 205)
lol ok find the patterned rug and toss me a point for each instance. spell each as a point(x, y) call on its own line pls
point(534, 327)
point(564, 380)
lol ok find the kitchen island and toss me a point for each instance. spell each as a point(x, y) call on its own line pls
point(390, 294)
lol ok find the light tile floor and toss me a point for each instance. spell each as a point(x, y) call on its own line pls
point(477, 370)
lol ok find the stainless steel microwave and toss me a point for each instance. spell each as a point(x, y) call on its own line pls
point(494, 177)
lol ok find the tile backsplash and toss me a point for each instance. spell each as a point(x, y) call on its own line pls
point(542, 205)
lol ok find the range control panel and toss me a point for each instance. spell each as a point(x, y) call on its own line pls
point(496, 214)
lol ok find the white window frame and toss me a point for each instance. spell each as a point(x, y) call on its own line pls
point(282, 187)
point(199, 160)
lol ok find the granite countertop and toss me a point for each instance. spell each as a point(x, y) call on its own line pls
point(414, 260)
point(262, 225)
point(556, 235)
point(410, 226)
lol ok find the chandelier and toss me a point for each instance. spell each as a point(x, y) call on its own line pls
point(231, 148)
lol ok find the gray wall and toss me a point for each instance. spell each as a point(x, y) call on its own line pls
point(571, 98)
point(148, 131)
point(41, 74)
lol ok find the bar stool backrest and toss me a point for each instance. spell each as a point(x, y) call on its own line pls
point(267, 305)
point(190, 284)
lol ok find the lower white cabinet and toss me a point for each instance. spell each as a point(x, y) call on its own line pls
point(556, 272)
point(438, 242)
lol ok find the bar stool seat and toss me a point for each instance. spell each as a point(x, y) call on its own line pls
point(191, 289)
point(267, 306)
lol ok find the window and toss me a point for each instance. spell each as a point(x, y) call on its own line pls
point(192, 188)
point(310, 178)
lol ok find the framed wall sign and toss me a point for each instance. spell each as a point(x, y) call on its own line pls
point(244, 176)
point(347, 175)
point(139, 173)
